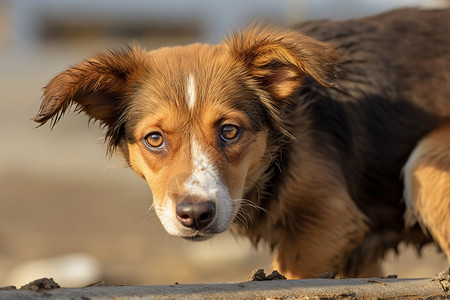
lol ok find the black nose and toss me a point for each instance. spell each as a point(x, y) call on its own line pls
point(196, 215)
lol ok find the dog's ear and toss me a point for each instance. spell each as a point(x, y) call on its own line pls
point(280, 59)
point(98, 86)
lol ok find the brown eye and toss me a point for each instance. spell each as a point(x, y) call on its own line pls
point(154, 140)
point(230, 132)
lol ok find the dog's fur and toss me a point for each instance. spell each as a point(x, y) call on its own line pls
point(324, 119)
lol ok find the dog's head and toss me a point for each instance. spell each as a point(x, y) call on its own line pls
point(194, 121)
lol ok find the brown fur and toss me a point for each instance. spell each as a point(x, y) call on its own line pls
point(427, 181)
point(329, 118)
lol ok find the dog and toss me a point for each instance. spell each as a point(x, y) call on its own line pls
point(328, 141)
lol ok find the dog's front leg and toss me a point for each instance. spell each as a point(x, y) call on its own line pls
point(320, 237)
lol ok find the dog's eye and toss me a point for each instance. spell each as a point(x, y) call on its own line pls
point(230, 132)
point(154, 140)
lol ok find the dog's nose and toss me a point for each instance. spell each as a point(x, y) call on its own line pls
point(196, 215)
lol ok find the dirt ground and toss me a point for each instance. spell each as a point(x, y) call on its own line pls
point(59, 194)
point(360, 288)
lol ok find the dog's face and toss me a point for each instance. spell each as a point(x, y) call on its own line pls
point(194, 136)
point(194, 121)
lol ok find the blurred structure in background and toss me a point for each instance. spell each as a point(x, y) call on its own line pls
point(65, 208)
point(34, 22)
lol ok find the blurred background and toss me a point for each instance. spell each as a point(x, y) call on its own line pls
point(69, 212)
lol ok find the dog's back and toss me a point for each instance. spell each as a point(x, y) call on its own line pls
point(401, 55)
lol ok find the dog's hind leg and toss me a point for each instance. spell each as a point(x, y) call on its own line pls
point(427, 186)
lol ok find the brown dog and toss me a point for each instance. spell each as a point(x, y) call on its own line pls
point(307, 139)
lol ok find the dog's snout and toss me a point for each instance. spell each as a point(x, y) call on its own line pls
point(196, 215)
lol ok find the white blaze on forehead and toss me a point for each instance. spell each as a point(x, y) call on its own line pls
point(190, 94)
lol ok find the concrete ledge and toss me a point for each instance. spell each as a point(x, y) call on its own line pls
point(374, 288)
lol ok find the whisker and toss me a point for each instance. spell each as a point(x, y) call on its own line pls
point(251, 204)
point(147, 213)
point(242, 219)
point(247, 219)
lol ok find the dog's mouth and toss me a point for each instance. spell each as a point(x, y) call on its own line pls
point(198, 237)
point(202, 234)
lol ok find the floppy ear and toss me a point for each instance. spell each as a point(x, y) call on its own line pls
point(98, 86)
point(279, 59)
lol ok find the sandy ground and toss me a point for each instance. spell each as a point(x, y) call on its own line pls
point(59, 194)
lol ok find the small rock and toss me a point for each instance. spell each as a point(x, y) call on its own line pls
point(390, 276)
point(260, 275)
point(41, 285)
point(275, 276)
point(444, 279)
